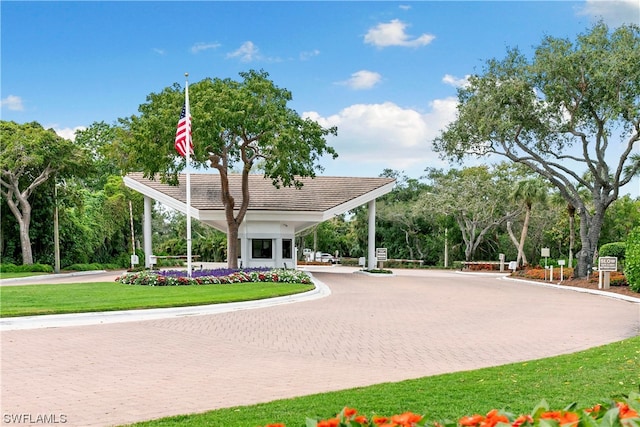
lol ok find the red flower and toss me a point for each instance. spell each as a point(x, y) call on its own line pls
point(626, 412)
point(522, 419)
point(563, 418)
point(471, 420)
point(407, 419)
point(378, 420)
point(361, 419)
point(349, 412)
point(331, 422)
point(493, 418)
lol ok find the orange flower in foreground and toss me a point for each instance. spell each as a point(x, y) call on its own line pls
point(349, 412)
point(275, 425)
point(407, 419)
point(331, 422)
point(471, 420)
point(493, 418)
point(563, 418)
point(626, 412)
point(522, 419)
point(378, 420)
point(361, 419)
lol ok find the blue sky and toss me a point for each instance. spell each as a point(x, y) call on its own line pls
point(384, 72)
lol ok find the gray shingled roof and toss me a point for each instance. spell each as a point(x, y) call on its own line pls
point(319, 194)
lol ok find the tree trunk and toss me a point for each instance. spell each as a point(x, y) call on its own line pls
point(232, 249)
point(523, 235)
point(521, 257)
point(572, 231)
point(23, 216)
point(590, 227)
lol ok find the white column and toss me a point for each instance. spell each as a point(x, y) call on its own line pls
point(371, 263)
point(146, 232)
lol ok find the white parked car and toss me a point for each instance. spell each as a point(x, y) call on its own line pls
point(325, 257)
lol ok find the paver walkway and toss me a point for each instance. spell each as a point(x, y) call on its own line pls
point(369, 330)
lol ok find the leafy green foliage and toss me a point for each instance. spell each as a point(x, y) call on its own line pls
point(571, 97)
point(632, 264)
point(31, 156)
point(26, 268)
point(615, 249)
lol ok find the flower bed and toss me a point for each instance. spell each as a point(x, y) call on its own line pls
point(622, 413)
point(214, 277)
point(537, 273)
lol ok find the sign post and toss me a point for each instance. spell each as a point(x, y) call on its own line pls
point(545, 252)
point(606, 264)
point(561, 264)
point(381, 256)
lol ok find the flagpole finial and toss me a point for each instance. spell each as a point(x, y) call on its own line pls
point(186, 74)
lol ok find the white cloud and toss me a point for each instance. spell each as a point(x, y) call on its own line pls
point(393, 34)
point(159, 51)
point(13, 103)
point(613, 12)
point(201, 46)
point(305, 56)
point(454, 81)
point(363, 79)
point(67, 133)
point(247, 52)
point(404, 7)
point(379, 136)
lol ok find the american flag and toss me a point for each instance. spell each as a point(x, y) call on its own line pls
point(183, 132)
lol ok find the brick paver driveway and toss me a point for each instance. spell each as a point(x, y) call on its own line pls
point(369, 330)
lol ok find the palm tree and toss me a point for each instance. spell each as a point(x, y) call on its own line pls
point(527, 192)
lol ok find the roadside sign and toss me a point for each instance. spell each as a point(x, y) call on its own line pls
point(608, 263)
point(381, 254)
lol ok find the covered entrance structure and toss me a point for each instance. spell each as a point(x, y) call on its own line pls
point(275, 215)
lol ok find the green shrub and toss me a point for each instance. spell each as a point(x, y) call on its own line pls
point(37, 268)
point(8, 268)
point(616, 249)
point(632, 263)
point(85, 267)
point(26, 268)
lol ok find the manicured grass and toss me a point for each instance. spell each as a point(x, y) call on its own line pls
point(31, 300)
point(7, 275)
point(587, 378)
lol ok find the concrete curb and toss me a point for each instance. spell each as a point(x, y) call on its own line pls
point(97, 318)
point(576, 289)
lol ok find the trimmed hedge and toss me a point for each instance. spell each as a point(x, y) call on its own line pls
point(632, 262)
point(26, 268)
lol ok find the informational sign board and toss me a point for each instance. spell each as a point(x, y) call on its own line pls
point(561, 262)
point(381, 254)
point(545, 252)
point(608, 263)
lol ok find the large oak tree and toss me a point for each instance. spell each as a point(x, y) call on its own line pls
point(29, 156)
point(571, 114)
point(237, 125)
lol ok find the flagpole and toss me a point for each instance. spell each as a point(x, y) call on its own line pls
point(187, 157)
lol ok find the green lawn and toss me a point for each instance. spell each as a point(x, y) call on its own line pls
point(28, 300)
point(6, 275)
point(587, 378)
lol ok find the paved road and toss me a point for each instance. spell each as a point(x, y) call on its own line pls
point(369, 330)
